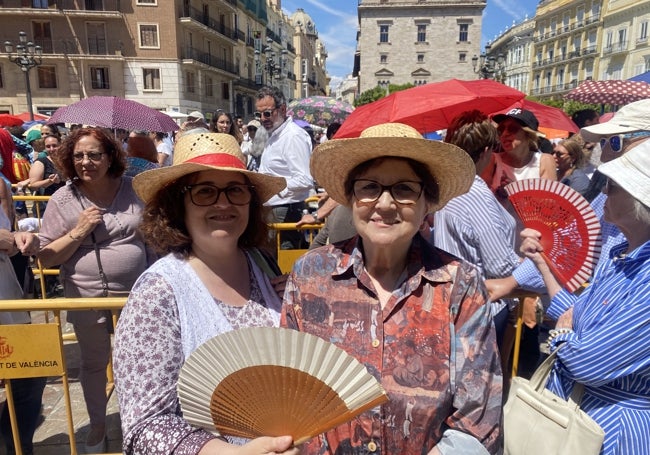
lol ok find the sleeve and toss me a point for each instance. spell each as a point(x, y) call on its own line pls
point(619, 335)
point(528, 277)
point(478, 381)
point(58, 219)
point(297, 153)
point(147, 360)
point(560, 303)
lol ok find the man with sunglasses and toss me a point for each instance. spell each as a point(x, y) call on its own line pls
point(628, 128)
point(286, 154)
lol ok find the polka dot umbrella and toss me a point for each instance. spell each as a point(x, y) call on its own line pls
point(114, 112)
point(616, 92)
point(319, 110)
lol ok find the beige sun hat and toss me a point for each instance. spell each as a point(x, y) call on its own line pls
point(204, 152)
point(450, 166)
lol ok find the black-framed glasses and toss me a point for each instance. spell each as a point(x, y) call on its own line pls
point(266, 114)
point(204, 194)
point(616, 141)
point(95, 157)
point(405, 192)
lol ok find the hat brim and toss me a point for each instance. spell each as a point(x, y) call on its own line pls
point(450, 166)
point(147, 184)
point(630, 175)
point(593, 133)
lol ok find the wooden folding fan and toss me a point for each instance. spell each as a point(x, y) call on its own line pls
point(570, 229)
point(264, 381)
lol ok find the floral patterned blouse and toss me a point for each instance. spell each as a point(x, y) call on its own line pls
point(432, 347)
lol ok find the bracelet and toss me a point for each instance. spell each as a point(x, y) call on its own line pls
point(554, 333)
point(316, 218)
point(76, 239)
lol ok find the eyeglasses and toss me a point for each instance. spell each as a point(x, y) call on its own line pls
point(511, 128)
point(204, 194)
point(405, 193)
point(95, 157)
point(616, 141)
point(267, 113)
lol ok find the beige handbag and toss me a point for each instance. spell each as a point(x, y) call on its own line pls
point(536, 421)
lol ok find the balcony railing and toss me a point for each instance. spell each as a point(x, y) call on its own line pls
point(271, 34)
point(72, 47)
point(205, 19)
point(208, 59)
point(86, 5)
point(615, 48)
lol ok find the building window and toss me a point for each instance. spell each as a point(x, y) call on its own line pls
point(40, 4)
point(190, 82)
point(42, 32)
point(383, 33)
point(643, 31)
point(2, 84)
point(462, 57)
point(208, 87)
point(422, 33)
point(148, 34)
point(383, 58)
point(99, 78)
point(420, 58)
point(225, 91)
point(46, 76)
point(151, 78)
point(146, 2)
point(96, 38)
point(463, 33)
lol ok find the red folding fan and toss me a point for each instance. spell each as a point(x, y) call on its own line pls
point(570, 229)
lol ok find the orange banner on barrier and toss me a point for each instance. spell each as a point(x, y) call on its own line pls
point(30, 351)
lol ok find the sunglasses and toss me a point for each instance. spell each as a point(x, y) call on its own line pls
point(511, 128)
point(616, 141)
point(266, 114)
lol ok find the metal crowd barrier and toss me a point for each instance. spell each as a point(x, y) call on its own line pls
point(36, 350)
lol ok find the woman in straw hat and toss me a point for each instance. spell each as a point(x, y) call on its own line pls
point(414, 315)
point(604, 340)
point(204, 214)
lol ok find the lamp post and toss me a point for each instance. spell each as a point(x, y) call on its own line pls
point(489, 67)
point(27, 56)
point(273, 64)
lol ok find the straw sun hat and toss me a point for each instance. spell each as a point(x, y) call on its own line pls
point(205, 152)
point(450, 166)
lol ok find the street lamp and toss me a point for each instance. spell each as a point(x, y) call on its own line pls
point(489, 67)
point(273, 65)
point(27, 57)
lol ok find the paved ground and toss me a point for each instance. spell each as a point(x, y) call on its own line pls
point(51, 437)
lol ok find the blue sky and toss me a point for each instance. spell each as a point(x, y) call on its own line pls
point(336, 23)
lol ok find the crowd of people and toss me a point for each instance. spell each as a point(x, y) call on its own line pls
point(416, 271)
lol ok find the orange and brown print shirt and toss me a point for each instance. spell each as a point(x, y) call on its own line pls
point(432, 347)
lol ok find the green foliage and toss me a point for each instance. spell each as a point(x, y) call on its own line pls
point(379, 92)
point(568, 106)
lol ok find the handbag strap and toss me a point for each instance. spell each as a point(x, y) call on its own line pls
point(102, 275)
point(540, 377)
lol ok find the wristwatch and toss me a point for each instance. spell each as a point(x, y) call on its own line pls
point(316, 219)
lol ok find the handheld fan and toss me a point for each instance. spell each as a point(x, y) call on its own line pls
point(570, 229)
point(264, 381)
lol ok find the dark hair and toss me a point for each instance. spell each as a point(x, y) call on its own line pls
point(273, 92)
point(142, 147)
point(332, 129)
point(54, 129)
point(159, 136)
point(429, 184)
point(65, 164)
point(163, 221)
point(582, 116)
point(233, 131)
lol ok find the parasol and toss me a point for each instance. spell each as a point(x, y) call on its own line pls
point(320, 110)
point(616, 92)
point(10, 120)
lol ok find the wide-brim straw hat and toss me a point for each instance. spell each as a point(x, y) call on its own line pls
point(449, 165)
point(205, 152)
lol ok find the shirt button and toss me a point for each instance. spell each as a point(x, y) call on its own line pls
point(375, 343)
point(372, 446)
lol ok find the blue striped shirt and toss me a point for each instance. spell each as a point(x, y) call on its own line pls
point(608, 352)
point(475, 227)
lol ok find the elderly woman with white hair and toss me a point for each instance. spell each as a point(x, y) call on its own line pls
point(609, 320)
point(414, 315)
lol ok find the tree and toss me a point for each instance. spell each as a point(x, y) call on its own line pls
point(379, 92)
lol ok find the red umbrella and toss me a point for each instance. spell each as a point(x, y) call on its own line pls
point(25, 116)
point(617, 92)
point(432, 106)
point(10, 120)
point(550, 118)
point(114, 112)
